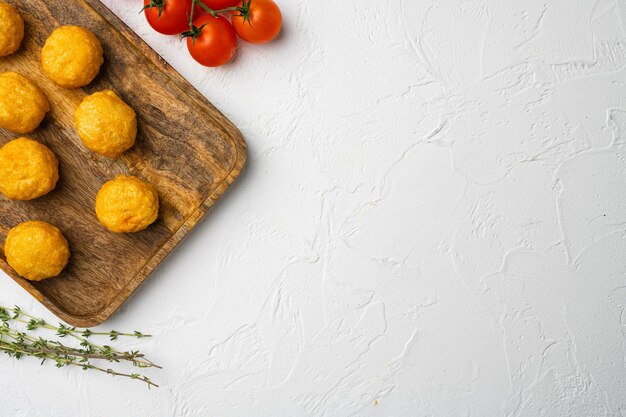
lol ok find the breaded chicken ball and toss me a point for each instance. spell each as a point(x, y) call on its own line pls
point(36, 250)
point(22, 104)
point(72, 56)
point(106, 124)
point(127, 204)
point(11, 29)
point(28, 169)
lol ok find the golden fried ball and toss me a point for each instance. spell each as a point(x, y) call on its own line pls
point(22, 104)
point(127, 204)
point(11, 29)
point(28, 169)
point(36, 250)
point(106, 124)
point(72, 56)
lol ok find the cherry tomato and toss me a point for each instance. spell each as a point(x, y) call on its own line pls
point(215, 44)
point(169, 17)
point(264, 25)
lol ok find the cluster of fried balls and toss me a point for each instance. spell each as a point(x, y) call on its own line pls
point(71, 57)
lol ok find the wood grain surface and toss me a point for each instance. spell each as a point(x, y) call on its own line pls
point(185, 147)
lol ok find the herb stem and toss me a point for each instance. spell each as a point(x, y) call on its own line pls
point(18, 343)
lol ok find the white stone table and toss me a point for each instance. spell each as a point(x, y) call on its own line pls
point(432, 223)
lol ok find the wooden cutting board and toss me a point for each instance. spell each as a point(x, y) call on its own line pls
point(185, 147)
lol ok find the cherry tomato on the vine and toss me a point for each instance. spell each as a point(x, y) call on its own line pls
point(169, 17)
point(265, 21)
point(215, 43)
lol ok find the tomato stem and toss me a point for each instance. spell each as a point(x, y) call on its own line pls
point(244, 10)
point(155, 3)
point(193, 7)
point(206, 8)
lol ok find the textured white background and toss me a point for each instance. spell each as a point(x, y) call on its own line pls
point(432, 223)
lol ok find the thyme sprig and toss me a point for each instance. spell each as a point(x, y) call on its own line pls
point(18, 343)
